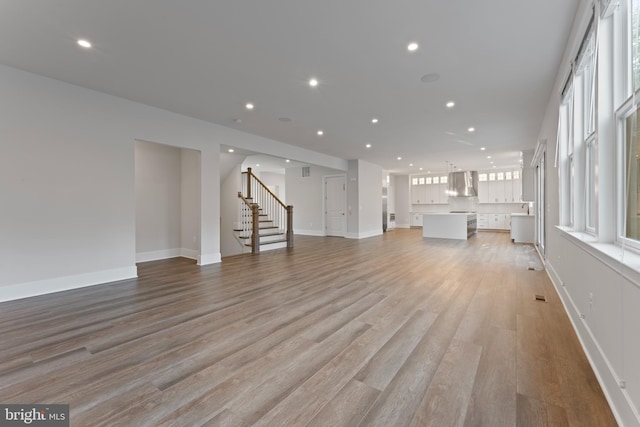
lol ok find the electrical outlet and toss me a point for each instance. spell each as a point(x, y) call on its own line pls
point(590, 299)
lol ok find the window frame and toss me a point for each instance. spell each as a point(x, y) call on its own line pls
point(591, 183)
point(631, 106)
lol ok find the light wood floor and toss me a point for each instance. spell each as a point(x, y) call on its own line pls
point(394, 330)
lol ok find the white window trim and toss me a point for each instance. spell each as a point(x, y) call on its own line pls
point(626, 110)
point(591, 176)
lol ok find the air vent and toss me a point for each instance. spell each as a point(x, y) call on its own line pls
point(306, 171)
point(540, 298)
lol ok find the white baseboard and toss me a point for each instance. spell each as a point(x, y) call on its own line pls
point(319, 233)
point(156, 255)
point(166, 254)
point(618, 398)
point(47, 286)
point(207, 259)
point(363, 235)
point(403, 225)
point(189, 253)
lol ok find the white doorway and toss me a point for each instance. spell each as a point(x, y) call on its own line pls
point(335, 201)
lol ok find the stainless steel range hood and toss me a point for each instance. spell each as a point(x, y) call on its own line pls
point(463, 184)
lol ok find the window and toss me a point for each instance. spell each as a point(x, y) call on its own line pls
point(631, 167)
point(436, 180)
point(571, 179)
point(516, 174)
point(635, 43)
point(492, 176)
point(586, 114)
point(482, 177)
point(587, 74)
point(591, 179)
point(507, 176)
point(500, 176)
point(421, 180)
point(428, 180)
point(443, 179)
point(565, 142)
point(414, 181)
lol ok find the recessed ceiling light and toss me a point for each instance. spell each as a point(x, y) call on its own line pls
point(412, 47)
point(482, 148)
point(399, 158)
point(257, 165)
point(471, 129)
point(451, 104)
point(488, 157)
point(420, 168)
point(84, 43)
point(287, 160)
point(313, 82)
point(430, 78)
point(411, 164)
point(249, 106)
point(320, 132)
point(491, 162)
point(230, 150)
point(428, 171)
point(368, 145)
point(374, 120)
point(494, 166)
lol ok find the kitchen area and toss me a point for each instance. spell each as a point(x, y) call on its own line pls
point(458, 204)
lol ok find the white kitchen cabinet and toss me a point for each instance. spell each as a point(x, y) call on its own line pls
point(498, 221)
point(522, 229)
point(418, 190)
point(483, 192)
point(428, 190)
point(432, 194)
point(500, 187)
point(415, 219)
point(517, 190)
point(483, 222)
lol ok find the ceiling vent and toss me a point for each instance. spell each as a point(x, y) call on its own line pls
point(306, 171)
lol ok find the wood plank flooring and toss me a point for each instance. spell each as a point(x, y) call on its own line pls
point(394, 330)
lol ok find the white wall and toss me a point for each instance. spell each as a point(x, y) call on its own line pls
point(190, 203)
point(167, 202)
point(230, 212)
point(370, 200)
point(277, 181)
point(601, 294)
point(364, 199)
point(158, 172)
point(67, 180)
point(402, 200)
point(306, 195)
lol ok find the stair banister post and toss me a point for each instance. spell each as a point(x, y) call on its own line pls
point(289, 226)
point(248, 183)
point(255, 231)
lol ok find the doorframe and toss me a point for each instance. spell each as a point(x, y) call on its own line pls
point(324, 203)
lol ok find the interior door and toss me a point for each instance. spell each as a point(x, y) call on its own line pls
point(334, 205)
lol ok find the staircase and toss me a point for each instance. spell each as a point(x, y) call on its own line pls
point(265, 222)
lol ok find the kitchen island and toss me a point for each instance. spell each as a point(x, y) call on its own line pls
point(449, 225)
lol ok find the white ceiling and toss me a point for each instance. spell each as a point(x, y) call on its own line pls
point(497, 59)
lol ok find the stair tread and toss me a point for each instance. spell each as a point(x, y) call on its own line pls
point(262, 235)
point(269, 242)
